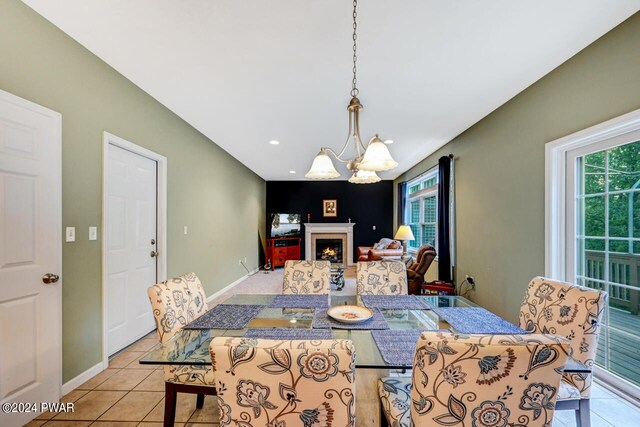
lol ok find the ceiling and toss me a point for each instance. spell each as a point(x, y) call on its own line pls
point(246, 72)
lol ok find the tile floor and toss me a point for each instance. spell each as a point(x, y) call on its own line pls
point(128, 394)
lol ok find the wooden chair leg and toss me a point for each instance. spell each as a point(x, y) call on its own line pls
point(200, 401)
point(170, 395)
point(583, 413)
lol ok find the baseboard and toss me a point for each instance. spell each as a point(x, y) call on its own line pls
point(230, 286)
point(74, 383)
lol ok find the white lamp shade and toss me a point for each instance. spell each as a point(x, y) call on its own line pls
point(322, 167)
point(377, 157)
point(404, 233)
point(364, 177)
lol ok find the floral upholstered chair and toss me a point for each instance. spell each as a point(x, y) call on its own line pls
point(306, 277)
point(175, 303)
point(381, 278)
point(284, 383)
point(477, 380)
point(574, 312)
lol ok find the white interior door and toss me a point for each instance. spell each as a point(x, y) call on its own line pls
point(131, 238)
point(30, 247)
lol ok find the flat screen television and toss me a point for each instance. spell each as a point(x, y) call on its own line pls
point(284, 225)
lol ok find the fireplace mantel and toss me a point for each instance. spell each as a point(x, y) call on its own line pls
point(317, 228)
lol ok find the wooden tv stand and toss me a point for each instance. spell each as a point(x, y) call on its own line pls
point(281, 249)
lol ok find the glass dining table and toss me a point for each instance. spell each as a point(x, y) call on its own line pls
point(191, 346)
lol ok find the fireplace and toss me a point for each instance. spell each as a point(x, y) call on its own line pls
point(315, 233)
point(329, 250)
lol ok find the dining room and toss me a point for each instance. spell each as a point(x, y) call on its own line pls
point(166, 148)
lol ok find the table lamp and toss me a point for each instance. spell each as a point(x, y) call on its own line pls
point(403, 234)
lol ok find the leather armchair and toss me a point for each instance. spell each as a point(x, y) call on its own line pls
point(390, 248)
point(416, 271)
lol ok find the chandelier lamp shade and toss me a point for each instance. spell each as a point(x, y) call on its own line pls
point(366, 160)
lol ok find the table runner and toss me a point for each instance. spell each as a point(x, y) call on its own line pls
point(226, 316)
point(300, 301)
point(476, 320)
point(289, 333)
point(397, 346)
point(409, 302)
point(322, 321)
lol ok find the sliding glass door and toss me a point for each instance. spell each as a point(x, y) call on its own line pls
point(603, 244)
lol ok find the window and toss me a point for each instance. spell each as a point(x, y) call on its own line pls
point(593, 234)
point(421, 207)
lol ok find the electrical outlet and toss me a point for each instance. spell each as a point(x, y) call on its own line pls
point(70, 234)
point(245, 260)
point(471, 280)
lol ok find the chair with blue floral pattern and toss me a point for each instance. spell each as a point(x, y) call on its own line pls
point(381, 278)
point(306, 277)
point(175, 303)
point(477, 380)
point(574, 312)
point(284, 383)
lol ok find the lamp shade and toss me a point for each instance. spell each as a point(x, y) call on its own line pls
point(322, 167)
point(364, 177)
point(404, 233)
point(377, 157)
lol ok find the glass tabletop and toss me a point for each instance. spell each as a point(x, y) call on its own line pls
point(192, 346)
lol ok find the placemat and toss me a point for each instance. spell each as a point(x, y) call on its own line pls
point(289, 333)
point(476, 320)
point(322, 321)
point(300, 301)
point(397, 346)
point(409, 302)
point(226, 316)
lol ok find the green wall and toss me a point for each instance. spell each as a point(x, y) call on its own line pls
point(220, 200)
point(499, 168)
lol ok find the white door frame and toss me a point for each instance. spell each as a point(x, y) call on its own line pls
point(560, 213)
point(161, 209)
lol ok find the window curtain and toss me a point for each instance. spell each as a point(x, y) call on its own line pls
point(402, 195)
point(444, 215)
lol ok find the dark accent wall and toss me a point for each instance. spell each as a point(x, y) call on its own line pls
point(367, 205)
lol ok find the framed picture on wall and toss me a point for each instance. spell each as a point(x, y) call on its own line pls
point(330, 207)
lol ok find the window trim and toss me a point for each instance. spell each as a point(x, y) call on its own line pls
point(420, 195)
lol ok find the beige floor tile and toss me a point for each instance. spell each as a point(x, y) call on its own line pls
point(145, 344)
point(114, 424)
point(154, 382)
point(148, 424)
point(98, 379)
point(184, 409)
point(125, 358)
point(137, 365)
point(208, 413)
point(73, 395)
point(126, 379)
point(133, 407)
point(67, 423)
point(92, 405)
point(35, 423)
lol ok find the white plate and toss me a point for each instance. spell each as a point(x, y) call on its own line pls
point(350, 313)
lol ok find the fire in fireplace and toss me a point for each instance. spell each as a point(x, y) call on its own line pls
point(329, 250)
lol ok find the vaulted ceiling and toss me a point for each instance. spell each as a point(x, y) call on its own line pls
point(247, 72)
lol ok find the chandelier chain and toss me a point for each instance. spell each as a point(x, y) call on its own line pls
point(354, 87)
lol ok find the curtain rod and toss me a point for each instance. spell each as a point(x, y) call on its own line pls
point(428, 170)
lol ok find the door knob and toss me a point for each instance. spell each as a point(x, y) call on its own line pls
point(50, 278)
point(153, 254)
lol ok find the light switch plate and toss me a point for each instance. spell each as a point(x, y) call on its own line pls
point(70, 234)
point(93, 233)
point(186, 231)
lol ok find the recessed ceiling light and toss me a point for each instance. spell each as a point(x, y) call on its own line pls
point(388, 141)
point(274, 142)
point(292, 171)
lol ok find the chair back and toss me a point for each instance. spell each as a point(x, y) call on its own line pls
point(381, 278)
point(486, 380)
point(284, 383)
point(568, 310)
point(306, 277)
point(424, 257)
point(175, 303)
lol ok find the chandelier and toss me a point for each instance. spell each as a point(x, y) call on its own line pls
point(367, 160)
